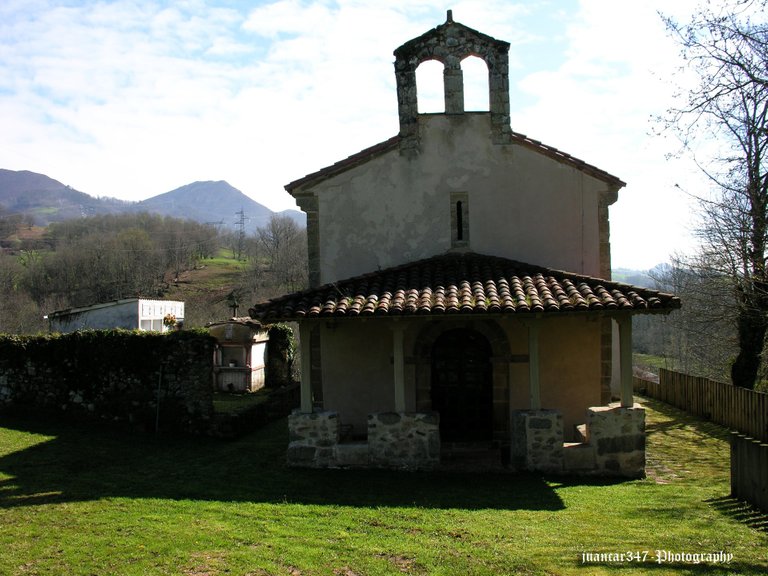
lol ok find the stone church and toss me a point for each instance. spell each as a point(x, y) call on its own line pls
point(460, 293)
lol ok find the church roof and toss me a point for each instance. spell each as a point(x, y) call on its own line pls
point(463, 283)
point(392, 144)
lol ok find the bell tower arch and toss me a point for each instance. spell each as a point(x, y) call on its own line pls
point(449, 44)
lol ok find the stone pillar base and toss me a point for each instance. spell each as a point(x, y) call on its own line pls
point(312, 439)
point(404, 440)
point(537, 440)
point(396, 440)
point(617, 436)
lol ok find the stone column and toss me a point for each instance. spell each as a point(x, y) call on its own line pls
point(407, 104)
point(453, 87)
point(625, 360)
point(399, 366)
point(305, 330)
point(407, 441)
point(533, 366)
point(313, 439)
point(311, 207)
point(537, 440)
point(617, 434)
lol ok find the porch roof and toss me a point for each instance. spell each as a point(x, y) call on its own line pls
point(463, 283)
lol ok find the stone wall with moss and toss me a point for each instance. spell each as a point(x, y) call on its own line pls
point(114, 375)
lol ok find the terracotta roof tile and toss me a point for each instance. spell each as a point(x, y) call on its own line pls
point(463, 284)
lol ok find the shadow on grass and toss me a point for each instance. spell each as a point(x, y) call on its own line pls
point(88, 462)
point(741, 512)
point(680, 419)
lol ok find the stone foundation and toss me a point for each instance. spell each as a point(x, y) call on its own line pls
point(312, 439)
point(537, 440)
point(404, 440)
point(614, 442)
point(395, 440)
point(617, 435)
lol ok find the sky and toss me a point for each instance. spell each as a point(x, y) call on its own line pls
point(134, 98)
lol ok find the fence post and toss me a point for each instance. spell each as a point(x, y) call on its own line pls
point(761, 462)
point(734, 464)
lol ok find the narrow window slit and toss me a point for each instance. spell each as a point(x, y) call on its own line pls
point(459, 222)
point(459, 213)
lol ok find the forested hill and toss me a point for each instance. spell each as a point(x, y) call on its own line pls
point(46, 200)
point(101, 258)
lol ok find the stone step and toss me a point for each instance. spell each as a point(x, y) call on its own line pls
point(578, 456)
point(352, 454)
point(581, 433)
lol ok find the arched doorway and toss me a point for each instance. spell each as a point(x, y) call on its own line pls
point(462, 386)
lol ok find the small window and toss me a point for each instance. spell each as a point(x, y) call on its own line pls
point(459, 220)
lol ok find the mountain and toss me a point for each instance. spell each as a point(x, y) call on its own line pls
point(48, 200)
point(215, 203)
point(642, 278)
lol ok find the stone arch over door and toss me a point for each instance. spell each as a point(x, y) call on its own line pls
point(499, 345)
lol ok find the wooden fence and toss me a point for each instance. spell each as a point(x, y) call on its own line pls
point(736, 408)
point(749, 470)
point(739, 409)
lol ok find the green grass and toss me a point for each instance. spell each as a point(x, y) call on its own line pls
point(219, 274)
point(652, 362)
point(86, 500)
point(233, 403)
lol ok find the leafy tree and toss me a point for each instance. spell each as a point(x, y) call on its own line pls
point(726, 48)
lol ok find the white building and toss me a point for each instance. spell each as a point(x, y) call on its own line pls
point(128, 313)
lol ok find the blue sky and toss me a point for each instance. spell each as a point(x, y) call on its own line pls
point(133, 98)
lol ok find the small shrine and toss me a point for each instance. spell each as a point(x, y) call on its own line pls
point(241, 349)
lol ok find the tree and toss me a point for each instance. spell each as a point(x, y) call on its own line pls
point(283, 244)
point(700, 338)
point(727, 51)
point(18, 312)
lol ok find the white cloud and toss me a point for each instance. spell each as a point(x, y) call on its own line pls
point(134, 98)
point(598, 105)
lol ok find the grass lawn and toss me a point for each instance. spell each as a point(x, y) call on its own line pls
point(87, 500)
point(233, 403)
point(649, 361)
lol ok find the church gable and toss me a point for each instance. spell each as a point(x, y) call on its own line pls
point(455, 181)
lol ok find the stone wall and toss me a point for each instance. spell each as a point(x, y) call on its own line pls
point(395, 440)
point(404, 440)
point(537, 440)
point(617, 436)
point(614, 442)
point(312, 439)
point(113, 375)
